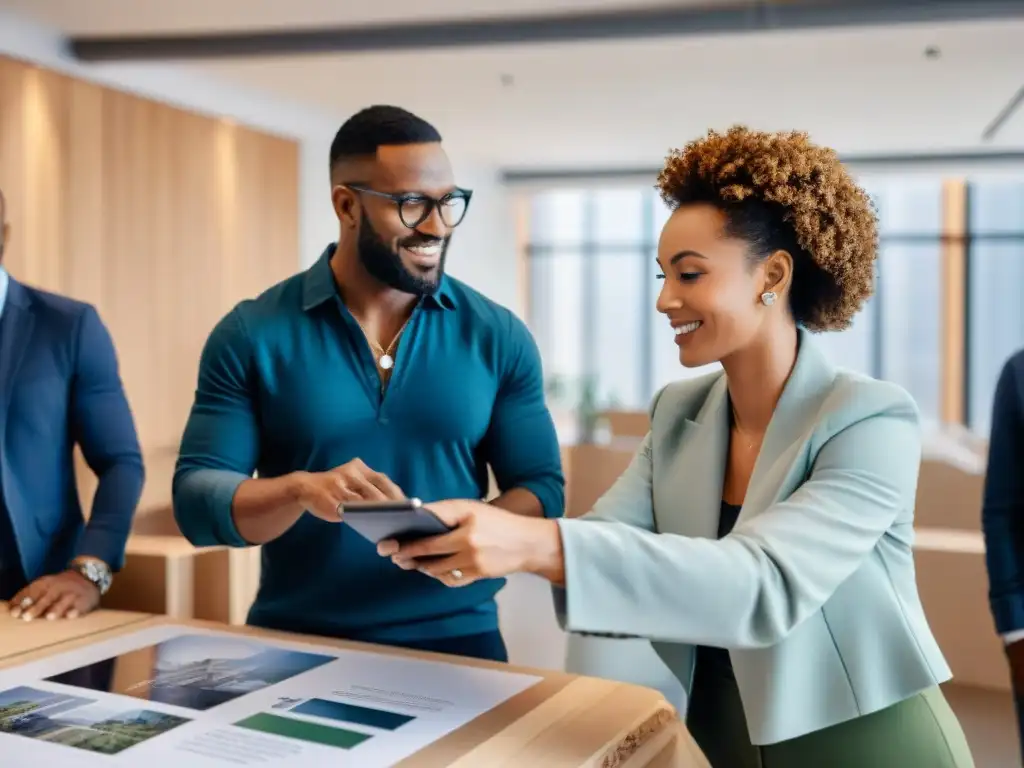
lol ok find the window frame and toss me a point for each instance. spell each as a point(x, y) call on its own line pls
point(955, 238)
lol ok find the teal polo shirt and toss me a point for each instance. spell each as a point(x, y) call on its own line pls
point(287, 382)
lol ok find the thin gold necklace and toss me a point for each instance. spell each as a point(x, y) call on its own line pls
point(743, 433)
point(384, 357)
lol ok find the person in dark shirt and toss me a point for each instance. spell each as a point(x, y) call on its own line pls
point(1002, 518)
point(372, 375)
point(60, 387)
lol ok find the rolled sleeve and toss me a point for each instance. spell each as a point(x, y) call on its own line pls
point(202, 506)
point(521, 443)
point(220, 444)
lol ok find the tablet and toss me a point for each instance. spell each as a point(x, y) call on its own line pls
point(402, 521)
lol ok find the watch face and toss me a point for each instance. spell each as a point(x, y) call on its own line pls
point(96, 573)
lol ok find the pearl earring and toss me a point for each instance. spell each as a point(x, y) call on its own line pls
point(768, 298)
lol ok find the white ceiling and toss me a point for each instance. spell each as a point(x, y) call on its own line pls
point(618, 103)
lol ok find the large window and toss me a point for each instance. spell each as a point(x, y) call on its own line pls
point(995, 282)
point(588, 293)
point(908, 301)
point(593, 290)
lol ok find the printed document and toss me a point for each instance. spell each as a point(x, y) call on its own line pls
point(169, 696)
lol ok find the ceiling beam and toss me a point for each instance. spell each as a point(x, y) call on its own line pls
point(632, 23)
point(1004, 115)
point(918, 160)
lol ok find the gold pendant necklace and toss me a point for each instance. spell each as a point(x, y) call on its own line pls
point(385, 357)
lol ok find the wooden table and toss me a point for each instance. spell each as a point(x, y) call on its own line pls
point(564, 721)
point(19, 637)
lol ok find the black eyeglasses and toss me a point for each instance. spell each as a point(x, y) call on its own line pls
point(414, 207)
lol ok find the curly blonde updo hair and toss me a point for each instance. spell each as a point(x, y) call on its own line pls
point(779, 191)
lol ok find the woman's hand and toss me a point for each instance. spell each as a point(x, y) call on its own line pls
point(487, 543)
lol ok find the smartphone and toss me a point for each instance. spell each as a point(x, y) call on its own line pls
point(403, 521)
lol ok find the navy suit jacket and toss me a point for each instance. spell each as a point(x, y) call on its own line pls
point(61, 386)
point(1003, 506)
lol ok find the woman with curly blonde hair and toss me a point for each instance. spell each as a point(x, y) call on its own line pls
point(761, 539)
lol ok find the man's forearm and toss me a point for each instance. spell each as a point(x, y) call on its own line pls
point(519, 501)
point(264, 509)
point(216, 507)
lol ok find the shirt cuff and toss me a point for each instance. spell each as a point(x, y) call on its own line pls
point(549, 493)
point(1013, 637)
point(104, 545)
point(203, 507)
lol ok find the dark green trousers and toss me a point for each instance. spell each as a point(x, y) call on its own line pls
point(920, 732)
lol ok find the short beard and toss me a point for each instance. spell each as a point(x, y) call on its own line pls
point(386, 266)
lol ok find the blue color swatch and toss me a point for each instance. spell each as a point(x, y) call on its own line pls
point(350, 713)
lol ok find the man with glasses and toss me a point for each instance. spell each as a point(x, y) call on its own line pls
point(371, 376)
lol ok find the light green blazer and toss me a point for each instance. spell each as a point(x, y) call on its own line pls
point(813, 592)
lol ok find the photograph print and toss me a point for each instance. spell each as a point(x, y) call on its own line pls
point(75, 721)
point(195, 671)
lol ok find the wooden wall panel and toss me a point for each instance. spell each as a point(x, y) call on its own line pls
point(84, 271)
point(14, 161)
point(45, 129)
point(161, 218)
point(258, 184)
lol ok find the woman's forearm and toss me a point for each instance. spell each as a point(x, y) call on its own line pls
point(546, 558)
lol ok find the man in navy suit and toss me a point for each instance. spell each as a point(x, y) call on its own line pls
point(60, 386)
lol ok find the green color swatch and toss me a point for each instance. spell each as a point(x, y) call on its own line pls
point(303, 731)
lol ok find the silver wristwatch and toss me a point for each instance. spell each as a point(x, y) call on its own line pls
point(95, 571)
